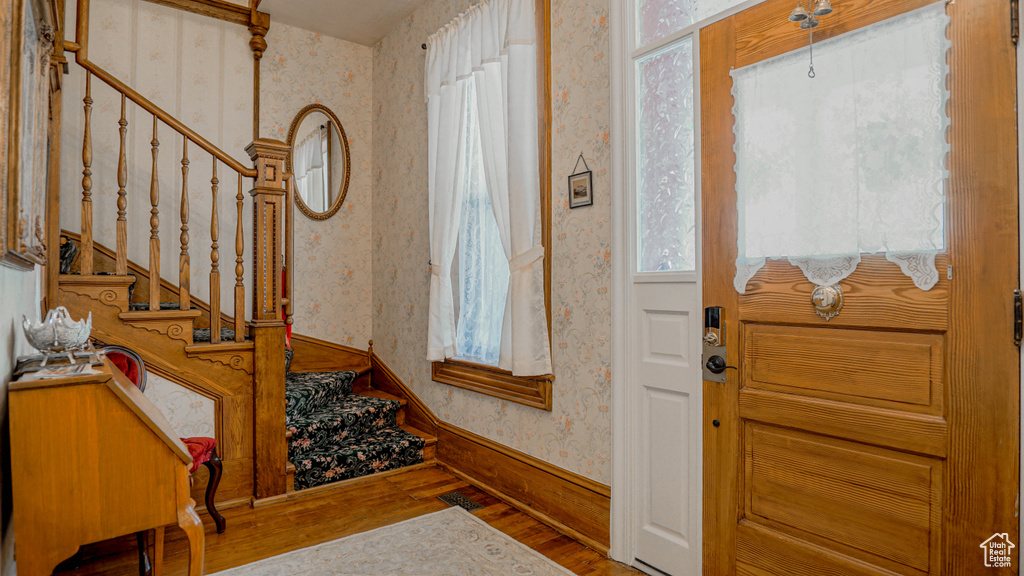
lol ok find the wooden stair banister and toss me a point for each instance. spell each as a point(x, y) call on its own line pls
point(268, 326)
point(214, 262)
point(86, 258)
point(154, 225)
point(272, 250)
point(121, 268)
point(239, 267)
point(184, 261)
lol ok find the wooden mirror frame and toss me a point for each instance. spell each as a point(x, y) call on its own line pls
point(340, 199)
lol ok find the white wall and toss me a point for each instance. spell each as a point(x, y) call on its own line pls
point(21, 294)
point(333, 284)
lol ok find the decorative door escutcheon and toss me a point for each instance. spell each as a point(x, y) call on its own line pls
point(827, 300)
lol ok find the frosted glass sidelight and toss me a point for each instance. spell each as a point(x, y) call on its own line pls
point(850, 162)
point(665, 170)
point(658, 19)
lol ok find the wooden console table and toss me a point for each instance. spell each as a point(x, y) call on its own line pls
point(92, 459)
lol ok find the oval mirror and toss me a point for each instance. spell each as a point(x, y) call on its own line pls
point(319, 160)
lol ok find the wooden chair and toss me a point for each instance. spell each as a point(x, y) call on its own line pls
point(202, 449)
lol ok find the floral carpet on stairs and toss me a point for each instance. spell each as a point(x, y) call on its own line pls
point(338, 434)
point(444, 543)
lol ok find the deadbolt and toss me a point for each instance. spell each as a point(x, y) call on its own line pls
point(715, 423)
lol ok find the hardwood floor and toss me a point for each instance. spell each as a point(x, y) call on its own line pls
point(257, 533)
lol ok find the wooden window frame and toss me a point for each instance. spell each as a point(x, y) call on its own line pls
point(532, 391)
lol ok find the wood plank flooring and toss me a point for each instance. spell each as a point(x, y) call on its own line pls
point(257, 533)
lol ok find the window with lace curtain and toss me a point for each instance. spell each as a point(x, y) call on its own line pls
point(850, 162)
point(480, 260)
point(488, 120)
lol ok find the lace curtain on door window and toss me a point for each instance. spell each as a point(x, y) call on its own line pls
point(850, 162)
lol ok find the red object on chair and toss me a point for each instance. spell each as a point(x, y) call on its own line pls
point(127, 365)
point(201, 450)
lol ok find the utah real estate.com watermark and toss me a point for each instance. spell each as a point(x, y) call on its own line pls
point(998, 551)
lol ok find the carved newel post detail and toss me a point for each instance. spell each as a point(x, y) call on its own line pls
point(268, 332)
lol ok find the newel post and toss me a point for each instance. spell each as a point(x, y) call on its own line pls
point(270, 457)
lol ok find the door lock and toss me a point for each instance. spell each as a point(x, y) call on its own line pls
point(716, 361)
point(716, 365)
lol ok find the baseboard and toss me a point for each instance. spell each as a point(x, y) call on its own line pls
point(564, 500)
point(568, 502)
point(317, 490)
point(417, 414)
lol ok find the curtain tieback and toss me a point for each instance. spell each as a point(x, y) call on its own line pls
point(526, 259)
point(436, 270)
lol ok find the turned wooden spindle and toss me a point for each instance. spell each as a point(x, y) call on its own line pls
point(214, 262)
point(121, 255)
point(239, 268)
point(154, 228)
point(184, 263)
point(87, 250)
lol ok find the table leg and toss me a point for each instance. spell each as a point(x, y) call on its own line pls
point(189, 521)
point(158, 552)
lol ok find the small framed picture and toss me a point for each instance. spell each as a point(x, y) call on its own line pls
point(581, 189)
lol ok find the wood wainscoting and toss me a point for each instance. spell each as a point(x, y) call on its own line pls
point(568, 502)
point(316, 355)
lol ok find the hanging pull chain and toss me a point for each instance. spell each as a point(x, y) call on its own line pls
point(810, 71)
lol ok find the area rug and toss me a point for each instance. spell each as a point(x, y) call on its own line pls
point(452, 542)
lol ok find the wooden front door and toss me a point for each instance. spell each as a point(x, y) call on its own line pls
point(884, 441)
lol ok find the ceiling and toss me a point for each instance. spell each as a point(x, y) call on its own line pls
point(361, 21)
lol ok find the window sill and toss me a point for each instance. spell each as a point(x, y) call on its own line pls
point(532, 391)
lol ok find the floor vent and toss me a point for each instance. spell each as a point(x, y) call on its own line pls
point(459, 499)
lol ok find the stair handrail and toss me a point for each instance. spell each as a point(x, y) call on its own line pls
point(81, 49)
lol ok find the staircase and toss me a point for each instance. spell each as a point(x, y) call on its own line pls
point(333, 425)
point(340, 428)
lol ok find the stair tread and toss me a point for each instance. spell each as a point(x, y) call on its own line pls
point(144, 306)
point(373, 392)
point(345, 418)
point(307, 391)
point(359, 456)
point(427, 438)
point(204, 335)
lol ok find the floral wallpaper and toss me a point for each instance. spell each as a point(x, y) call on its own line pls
point(189, 413)
point(576, 434)
point(333, 280)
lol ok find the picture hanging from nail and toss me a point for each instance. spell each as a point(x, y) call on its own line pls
point(581, 185)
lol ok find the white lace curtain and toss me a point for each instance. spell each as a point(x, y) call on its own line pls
point(482, 265)
point(849, 162)
point(493, 48)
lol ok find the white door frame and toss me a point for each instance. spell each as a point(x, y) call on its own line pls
point(621, 20)
point(624, 460)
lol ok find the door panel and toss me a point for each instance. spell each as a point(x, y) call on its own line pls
point(896, 370)
point(667, 385)
point(878, 295)
point(884, 441)
point(874, 504)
